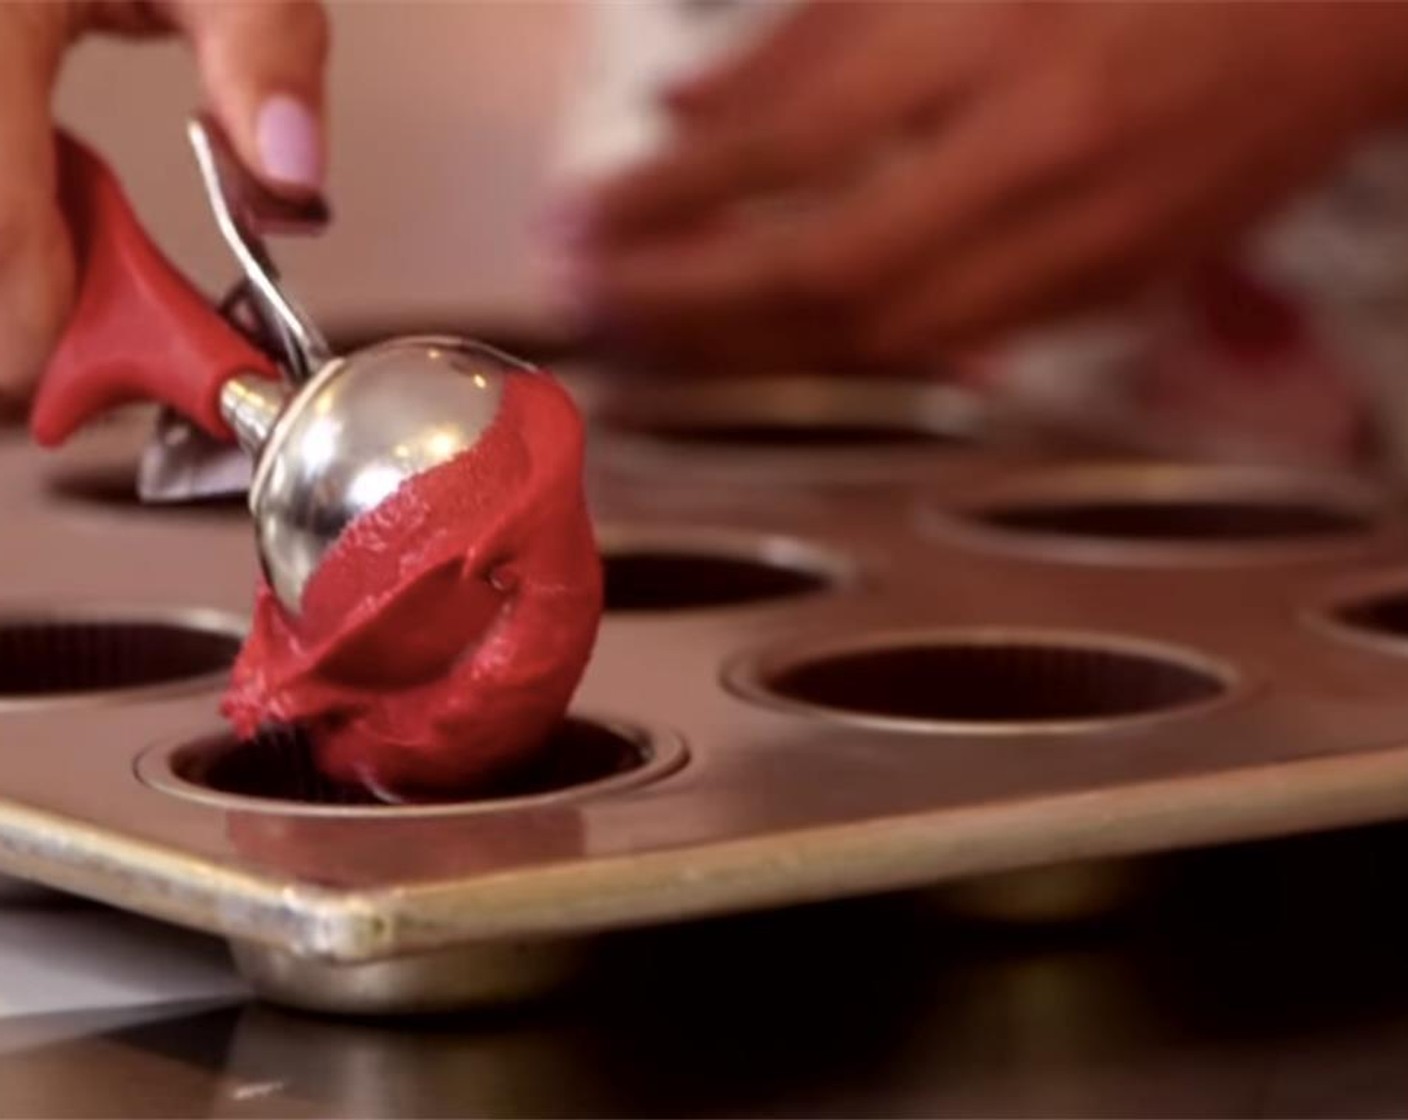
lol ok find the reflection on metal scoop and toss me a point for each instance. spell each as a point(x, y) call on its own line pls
point(335, 448)
point(182, 464)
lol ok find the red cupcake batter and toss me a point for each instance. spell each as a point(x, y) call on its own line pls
point(444, 632)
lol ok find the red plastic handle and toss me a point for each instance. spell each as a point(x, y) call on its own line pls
point(139, 330)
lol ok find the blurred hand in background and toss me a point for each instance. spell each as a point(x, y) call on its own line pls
point(877, 182)
point(261, 67)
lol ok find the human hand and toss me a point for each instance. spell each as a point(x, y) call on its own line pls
point(261, 67)
point(880, 182)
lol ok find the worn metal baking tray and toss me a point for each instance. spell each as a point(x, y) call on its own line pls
point(860, 638)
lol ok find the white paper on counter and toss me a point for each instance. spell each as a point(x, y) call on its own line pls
point(35, 1032)
point(70, 957)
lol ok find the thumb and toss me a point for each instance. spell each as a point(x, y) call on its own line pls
point(262, 66)
point(36, 264)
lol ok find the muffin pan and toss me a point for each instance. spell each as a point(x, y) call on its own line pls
point(830, 666)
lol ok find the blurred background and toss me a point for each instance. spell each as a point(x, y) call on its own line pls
point(454, 124)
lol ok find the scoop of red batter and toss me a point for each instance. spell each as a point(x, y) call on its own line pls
point(444, 632)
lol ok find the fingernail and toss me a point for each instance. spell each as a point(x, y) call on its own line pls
point(290, 147)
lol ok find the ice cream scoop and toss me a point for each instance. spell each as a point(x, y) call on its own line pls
point(330, 442)
point(432, 587)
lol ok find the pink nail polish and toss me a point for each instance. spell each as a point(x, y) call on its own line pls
point(290, 147)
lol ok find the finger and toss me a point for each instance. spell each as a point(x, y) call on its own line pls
point(796, 46)
point(734, 347)
point(902, 64)
point(36, 264)
point(696, 275)
point(1073, 264)
point(1095, 245)
point(720, 328)
point(262, 66)
point(880, 55)
point(1173, 201)
point(1014, 144)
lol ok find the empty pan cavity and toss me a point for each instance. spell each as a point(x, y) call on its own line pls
point(276, 771)
point(778, 434)
point(812, 422)
point(1385, 614)
point(66, 655)
point(1368, 613)
point(983, 681)
point(1153, 511)
point(1191, 520)
point(700, 570)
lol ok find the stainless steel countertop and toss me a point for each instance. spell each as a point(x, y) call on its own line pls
point(1264, 980)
